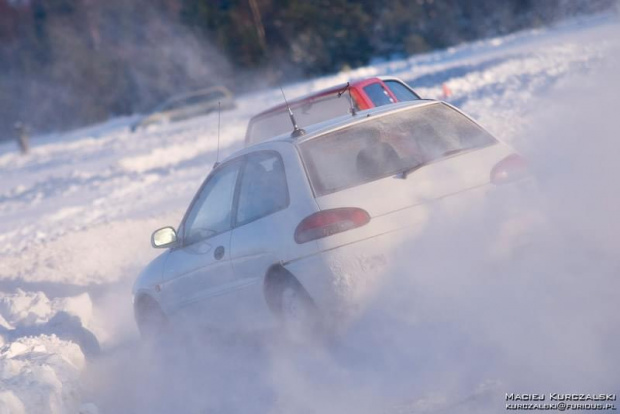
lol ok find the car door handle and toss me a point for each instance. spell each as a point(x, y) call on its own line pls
point(219, 252)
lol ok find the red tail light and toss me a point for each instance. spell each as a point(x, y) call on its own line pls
point(512, 168)
point(328, 222)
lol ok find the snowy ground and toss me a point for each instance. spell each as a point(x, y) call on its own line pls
point(77, 214)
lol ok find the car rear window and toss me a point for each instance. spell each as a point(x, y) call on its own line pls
point(402, 93)
point(387, 145)
point(311, 112)
point(378, 95)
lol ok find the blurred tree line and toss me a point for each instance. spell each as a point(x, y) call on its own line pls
point(65, 63)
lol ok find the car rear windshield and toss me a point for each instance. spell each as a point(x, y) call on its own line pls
point(402, 93)
point(387, 145)
point(378, 95)
point(308, 113)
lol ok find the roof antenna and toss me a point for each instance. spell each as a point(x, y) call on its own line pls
point(219, 117)
point(297, 132)
point(345, 89)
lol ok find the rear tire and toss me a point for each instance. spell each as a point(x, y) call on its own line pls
point(297, 311)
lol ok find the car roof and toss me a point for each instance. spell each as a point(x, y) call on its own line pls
point(391, 78)
point(299, 101)
point(323, 92)
point(334, 124)
point(328, 91)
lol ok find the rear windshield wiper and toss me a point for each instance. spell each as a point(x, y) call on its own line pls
point(403, 174)
point(454, 152)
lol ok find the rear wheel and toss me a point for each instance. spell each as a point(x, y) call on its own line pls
point(298, 312)
point(289, 300)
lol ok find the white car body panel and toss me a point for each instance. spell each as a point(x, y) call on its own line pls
point(151, 277)
point(193, 279)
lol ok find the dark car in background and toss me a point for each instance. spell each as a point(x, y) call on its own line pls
point(186, 106)
point(329, 103)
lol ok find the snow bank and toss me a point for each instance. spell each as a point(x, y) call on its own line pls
point(31, 308)
point(43, 344)
point(40, 375)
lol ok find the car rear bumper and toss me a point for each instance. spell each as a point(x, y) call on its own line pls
point(347, 274)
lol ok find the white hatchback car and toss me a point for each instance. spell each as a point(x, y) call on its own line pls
point(296, 225)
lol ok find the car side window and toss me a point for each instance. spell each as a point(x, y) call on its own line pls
point(378, 95)
point(211, 213)
point(263, 189)
point(402, 93)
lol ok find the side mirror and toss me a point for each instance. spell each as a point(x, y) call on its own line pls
point(164, 237)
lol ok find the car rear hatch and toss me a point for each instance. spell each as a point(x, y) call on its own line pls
point(396, 167)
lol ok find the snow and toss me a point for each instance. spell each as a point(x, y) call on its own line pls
point(42, 347)
point(77, 214)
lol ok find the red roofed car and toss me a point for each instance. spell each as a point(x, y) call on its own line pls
point(327, 104)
